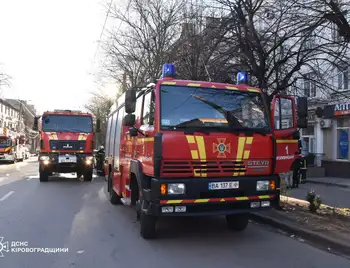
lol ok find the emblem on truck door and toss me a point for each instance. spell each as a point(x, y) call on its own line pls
point(221, 148)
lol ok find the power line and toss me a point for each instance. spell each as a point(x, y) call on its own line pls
point(103, 28)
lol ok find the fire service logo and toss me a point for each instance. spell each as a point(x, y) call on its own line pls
point(4, 247)
point(221, 148)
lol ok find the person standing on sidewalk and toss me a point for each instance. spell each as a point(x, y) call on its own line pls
point(303, 169)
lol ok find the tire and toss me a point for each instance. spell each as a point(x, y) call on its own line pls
point(43, 176)
point(113, 197)
point(88, 175)
point(148, 226)
point(238, 222)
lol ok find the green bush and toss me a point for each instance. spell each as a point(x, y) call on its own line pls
point(314, 200)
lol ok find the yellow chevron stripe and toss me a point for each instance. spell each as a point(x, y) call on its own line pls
point(241, 141)
point(286, 141)
point(246, 154)
point(190, 139)
point(264, 196)
point(174, 201)
point(194, 154)
point(242, 198)
point(193, 85)
point(168, 83)
point(201, 201)
point(202, 153)
point(232, 88)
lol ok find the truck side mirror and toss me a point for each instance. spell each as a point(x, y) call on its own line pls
point(302, 112)
point(36, 123)
point(98, 125)
point(129, 120)
point(130, 101)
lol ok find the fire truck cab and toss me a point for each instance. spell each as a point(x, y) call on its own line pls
point(12, 147)
point(187, 148)
point(66, 143)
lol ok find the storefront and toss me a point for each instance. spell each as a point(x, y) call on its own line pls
point(308, 135)
point(336, 126)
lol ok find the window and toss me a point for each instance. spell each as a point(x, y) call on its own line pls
point(112, 134)
point(67, 123)
point(108, 135)
point(148, 109)
point(310, 85)
point(221, 109)
point(138, 109)
point(343, 138)
point(117, 137)
point(343, 77)
point(283, 114)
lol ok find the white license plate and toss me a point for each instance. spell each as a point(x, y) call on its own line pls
point(67, 159)
point(223, 185)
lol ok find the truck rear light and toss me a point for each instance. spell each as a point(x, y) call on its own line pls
point(265, 204)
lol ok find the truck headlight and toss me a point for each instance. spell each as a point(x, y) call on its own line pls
point(89, 160)
point(44, 158)
point(265, 185)
point(176, 188)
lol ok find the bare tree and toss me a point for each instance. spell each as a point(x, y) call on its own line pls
point(197, 53)
point(4, 81)
point(100, 105)
point(136, 51)
point(278, 42)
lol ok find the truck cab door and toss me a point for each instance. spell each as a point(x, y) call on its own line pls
point(284, 125)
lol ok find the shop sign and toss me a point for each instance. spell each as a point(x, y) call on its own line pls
point(342, 109)
point(344, 144)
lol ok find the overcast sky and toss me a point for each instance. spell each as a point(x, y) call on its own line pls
point(48, 46)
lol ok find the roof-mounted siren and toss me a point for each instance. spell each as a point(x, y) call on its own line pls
point(168, 70)
point(242, 78)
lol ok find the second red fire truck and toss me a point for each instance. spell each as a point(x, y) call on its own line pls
point(66, 143)
point(186, 148)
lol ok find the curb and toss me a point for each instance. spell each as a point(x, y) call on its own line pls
point(328, 184)
point(312, 236)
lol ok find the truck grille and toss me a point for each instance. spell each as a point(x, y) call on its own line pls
point(210, 167)
point(67, 145)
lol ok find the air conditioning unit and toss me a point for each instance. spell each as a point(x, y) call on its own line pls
point(326, 123)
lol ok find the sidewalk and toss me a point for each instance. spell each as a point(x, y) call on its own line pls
point(331, 181)
point(330, 195)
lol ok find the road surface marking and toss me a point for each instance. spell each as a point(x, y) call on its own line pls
point(6, 195)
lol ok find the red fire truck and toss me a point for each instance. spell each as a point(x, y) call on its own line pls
point(66, 143)
point(186, 148)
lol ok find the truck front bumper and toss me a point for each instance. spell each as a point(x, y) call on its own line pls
point(7, 157)
point(198, 200)
point(49, 162)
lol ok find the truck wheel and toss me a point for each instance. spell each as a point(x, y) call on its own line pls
point(43, 176)
point(148, 226)
point(237, 222)
point(88, 175)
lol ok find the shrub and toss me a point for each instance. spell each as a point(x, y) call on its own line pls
point(314, 200)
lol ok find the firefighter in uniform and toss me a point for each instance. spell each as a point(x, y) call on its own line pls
point(303, 169)
point(296, 168)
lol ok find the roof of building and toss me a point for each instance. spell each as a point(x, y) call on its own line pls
point(9, 104)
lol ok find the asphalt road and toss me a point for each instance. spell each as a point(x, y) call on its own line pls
point(67, 213)
point(330, 195)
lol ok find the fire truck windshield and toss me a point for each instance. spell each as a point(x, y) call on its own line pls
point(5, 142)
point(67, 123)
point(186, 107)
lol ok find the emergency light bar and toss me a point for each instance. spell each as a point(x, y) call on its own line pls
point(242, 78)
point(168, 70)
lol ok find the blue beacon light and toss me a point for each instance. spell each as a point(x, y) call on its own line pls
point(242, 78)
point(168, 70)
